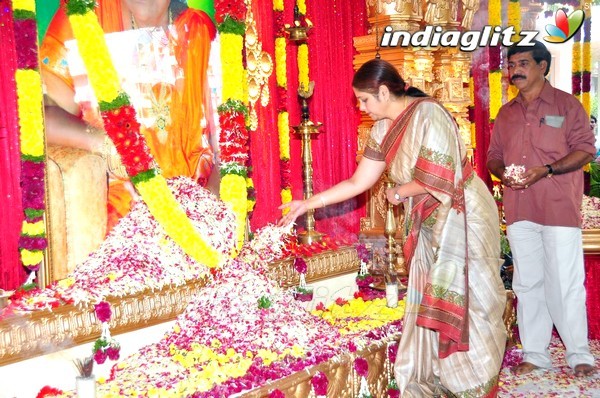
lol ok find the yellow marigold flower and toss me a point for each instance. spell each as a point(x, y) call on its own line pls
point(29, 100)
point(277, 5)
point(514, 17)
point(239, 369)
point(585, 100)
point(297, 351)
point(286, 196)
point(233, 191)
point(101, 71)
point(494, 13)
point(27, 5)
point(280, 61)
point(232, 66)
point(587, 59)
point(495, 82)
point(283, 129)
point(303, 80)
point(267, 356)
point(66, 282)
point(250, 205)
point(301, 6)
point(31, 257)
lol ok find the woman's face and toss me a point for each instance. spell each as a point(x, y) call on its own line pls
point(370, 104)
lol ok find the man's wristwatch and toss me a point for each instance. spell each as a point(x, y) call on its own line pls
point(550, 170)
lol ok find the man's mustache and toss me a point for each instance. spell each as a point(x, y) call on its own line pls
point(512, 79)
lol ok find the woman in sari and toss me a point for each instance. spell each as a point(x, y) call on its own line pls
point(453, 338)
point(174, 110)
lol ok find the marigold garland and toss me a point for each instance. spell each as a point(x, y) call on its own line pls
point(301, 6)
point(586, 56)
point(495, 13)
point(471, 109)
point(235, 185)
point(233, 144)
point(283, 122)
point(122, 127)
point(280, 61)
point(32, 241)
point(514, 19)
point(303, 80)
point(232, 66)
point(495, 76)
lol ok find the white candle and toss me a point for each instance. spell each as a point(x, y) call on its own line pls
point(391, 294)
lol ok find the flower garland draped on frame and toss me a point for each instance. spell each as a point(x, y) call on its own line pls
point(31, 126)
point(12, 273)
point(120, 123)
point(514, 19)
point(495, 52)
point(576, 66)
point(233, 112)
point(283, 117)
point(586, 58)
point(481, 109)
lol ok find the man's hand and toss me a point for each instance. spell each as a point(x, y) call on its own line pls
point(530, 177)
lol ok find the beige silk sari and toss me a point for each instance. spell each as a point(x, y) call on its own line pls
point(454, 337)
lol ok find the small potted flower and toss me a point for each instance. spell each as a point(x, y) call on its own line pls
point(105, 347)
point(363, 279)
point(302, 292)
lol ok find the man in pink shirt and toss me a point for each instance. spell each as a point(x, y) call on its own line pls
point(546, 131)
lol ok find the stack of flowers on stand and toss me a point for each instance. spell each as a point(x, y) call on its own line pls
point(243, 331)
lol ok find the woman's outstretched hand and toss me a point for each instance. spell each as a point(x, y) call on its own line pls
point(297, 208)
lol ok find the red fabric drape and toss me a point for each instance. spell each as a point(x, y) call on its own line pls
point(331, 54)
point(482, 116)
point(264, 142)
point(592, 286)
point(12, 273)
point(334, 151)
point(480, 72)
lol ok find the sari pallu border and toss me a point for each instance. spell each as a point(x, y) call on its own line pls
point(454, 331)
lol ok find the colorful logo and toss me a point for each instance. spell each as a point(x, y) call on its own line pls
point(566, 26)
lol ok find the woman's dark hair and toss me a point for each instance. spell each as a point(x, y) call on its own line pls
point(539, 53)
point(377, 72)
